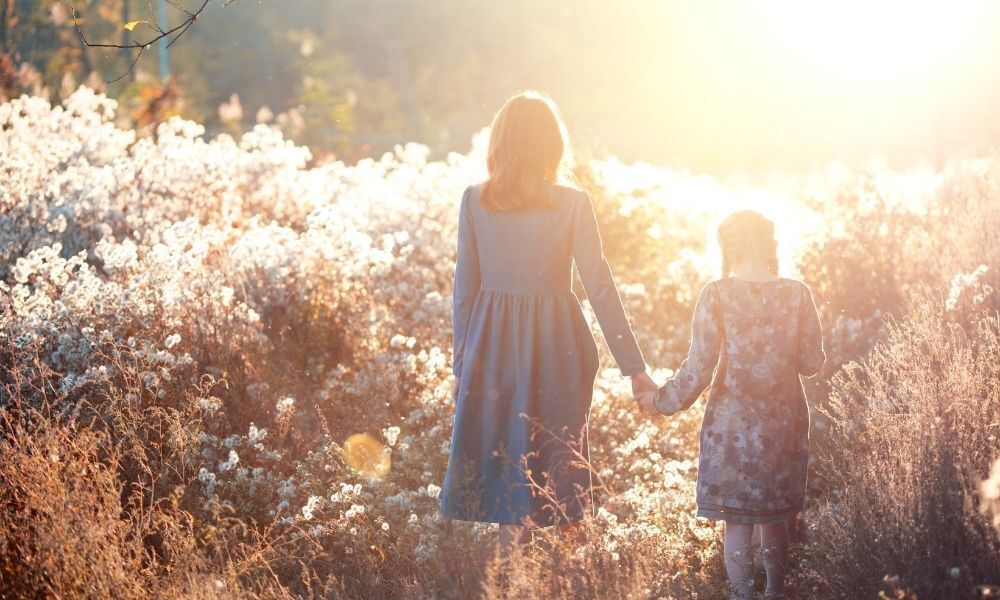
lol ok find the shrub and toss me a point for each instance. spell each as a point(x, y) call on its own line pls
point(913, 423)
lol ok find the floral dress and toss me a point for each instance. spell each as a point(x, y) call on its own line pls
point(757, 338)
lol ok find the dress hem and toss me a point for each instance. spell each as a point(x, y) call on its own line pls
point(485, 519)
point(747, 517)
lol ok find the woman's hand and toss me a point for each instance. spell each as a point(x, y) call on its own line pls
point(644, 393)
point(454, 389)
point(642, 383)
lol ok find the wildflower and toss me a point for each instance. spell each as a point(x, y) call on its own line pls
point(171, 340)
point(150, 380)
point(233, 460)
point(226, 295)
point(310, 508)
point(210, 404)
point(391, 434)
point(285, 406)
point(255, 435)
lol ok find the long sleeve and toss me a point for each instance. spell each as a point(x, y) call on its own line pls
point(695, 373)
point(810, 343)
point(599, 283)
point(467, 280)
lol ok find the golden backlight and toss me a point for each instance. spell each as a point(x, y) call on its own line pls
point(875, 40)
point(798, 83)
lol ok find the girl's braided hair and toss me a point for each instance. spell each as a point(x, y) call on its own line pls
point(747, 234)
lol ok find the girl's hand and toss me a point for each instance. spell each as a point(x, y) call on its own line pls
point(642, 383)
point(454, 389)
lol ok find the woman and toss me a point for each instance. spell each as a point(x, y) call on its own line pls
point(524, 357)
point(758, 333)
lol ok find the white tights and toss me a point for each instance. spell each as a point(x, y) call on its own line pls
point(739, 557)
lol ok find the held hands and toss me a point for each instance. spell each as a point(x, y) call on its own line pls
point(644, 392)
point(646, 403)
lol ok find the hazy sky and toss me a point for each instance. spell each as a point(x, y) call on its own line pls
point(721, 84)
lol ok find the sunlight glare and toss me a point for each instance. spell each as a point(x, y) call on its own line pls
point(871, 40)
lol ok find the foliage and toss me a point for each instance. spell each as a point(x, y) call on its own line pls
point(198, 324)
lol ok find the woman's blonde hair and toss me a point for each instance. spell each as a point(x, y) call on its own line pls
point(527, 146)
point(747, 234)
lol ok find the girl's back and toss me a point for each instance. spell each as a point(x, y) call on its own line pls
point(770, 338)
point(761, 335)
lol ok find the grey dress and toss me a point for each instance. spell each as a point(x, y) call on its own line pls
point(757, 338)
point(527, 360)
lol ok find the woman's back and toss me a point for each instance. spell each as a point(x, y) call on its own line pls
point(526, 252)
point(531, 253)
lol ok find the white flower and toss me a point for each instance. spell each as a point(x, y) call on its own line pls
point(391, 434)
point(255, 435)
point(172, 340)
point(285, 406)
point(150, 380)
point(211, 404)
point(233, 460)
point(311, 505)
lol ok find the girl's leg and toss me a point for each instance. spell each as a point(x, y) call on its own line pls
point(774, 542)
point(739, 559)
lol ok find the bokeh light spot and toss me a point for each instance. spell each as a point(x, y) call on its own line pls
point(367, 455)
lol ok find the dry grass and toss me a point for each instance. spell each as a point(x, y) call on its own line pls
point(917, 424)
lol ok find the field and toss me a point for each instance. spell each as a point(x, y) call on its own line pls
point(192, 327)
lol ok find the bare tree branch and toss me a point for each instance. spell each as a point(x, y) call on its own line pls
point(140, 47)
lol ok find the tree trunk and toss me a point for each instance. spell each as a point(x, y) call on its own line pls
point(125, 37)
point(124, 20)
point(6, 9)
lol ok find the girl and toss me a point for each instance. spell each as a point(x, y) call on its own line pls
point(758, 333)
point(524, 357)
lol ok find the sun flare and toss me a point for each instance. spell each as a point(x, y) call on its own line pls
point(860, 40)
